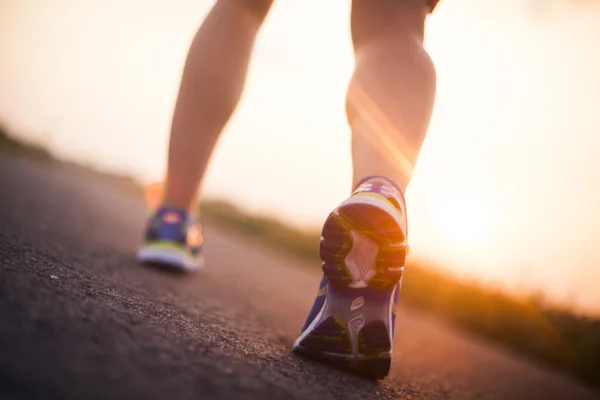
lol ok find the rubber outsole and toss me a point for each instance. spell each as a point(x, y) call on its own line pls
point(354, 339)
point(364, 220)
point(363, 249)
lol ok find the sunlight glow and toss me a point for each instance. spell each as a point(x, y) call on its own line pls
point(464, 217)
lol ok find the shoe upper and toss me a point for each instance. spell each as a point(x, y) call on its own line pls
point(318, 304)
point(175, 226)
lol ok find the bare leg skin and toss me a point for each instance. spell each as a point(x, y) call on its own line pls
point(212, 83)
point(392, 91)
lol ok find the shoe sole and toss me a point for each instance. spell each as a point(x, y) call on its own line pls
point(363, 248)
point(170, 257)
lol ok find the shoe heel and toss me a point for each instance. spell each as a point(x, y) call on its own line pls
point(363, 244)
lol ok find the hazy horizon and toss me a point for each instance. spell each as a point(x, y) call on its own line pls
point(506, 190)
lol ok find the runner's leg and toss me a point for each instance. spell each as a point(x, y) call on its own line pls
point(212, 83)
point(391, 95)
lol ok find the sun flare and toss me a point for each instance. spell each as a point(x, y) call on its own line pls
point(463, 216)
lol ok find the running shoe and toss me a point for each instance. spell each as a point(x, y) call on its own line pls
point(173, 240)
point(363, 249)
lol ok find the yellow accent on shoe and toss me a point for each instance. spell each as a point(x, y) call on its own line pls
point(323, 290)
point(167, 246)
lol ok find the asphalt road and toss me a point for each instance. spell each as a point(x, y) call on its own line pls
point(79, 319)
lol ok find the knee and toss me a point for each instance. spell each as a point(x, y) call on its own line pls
point(390, 23)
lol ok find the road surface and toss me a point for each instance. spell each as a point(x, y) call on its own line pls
point(79, 319)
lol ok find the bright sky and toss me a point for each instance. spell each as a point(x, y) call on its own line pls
point(507, 187)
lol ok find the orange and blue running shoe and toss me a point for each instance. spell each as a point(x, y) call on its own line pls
point(173, 240)
point(363, 249)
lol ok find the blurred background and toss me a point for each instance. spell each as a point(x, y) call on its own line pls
point(506, 191)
